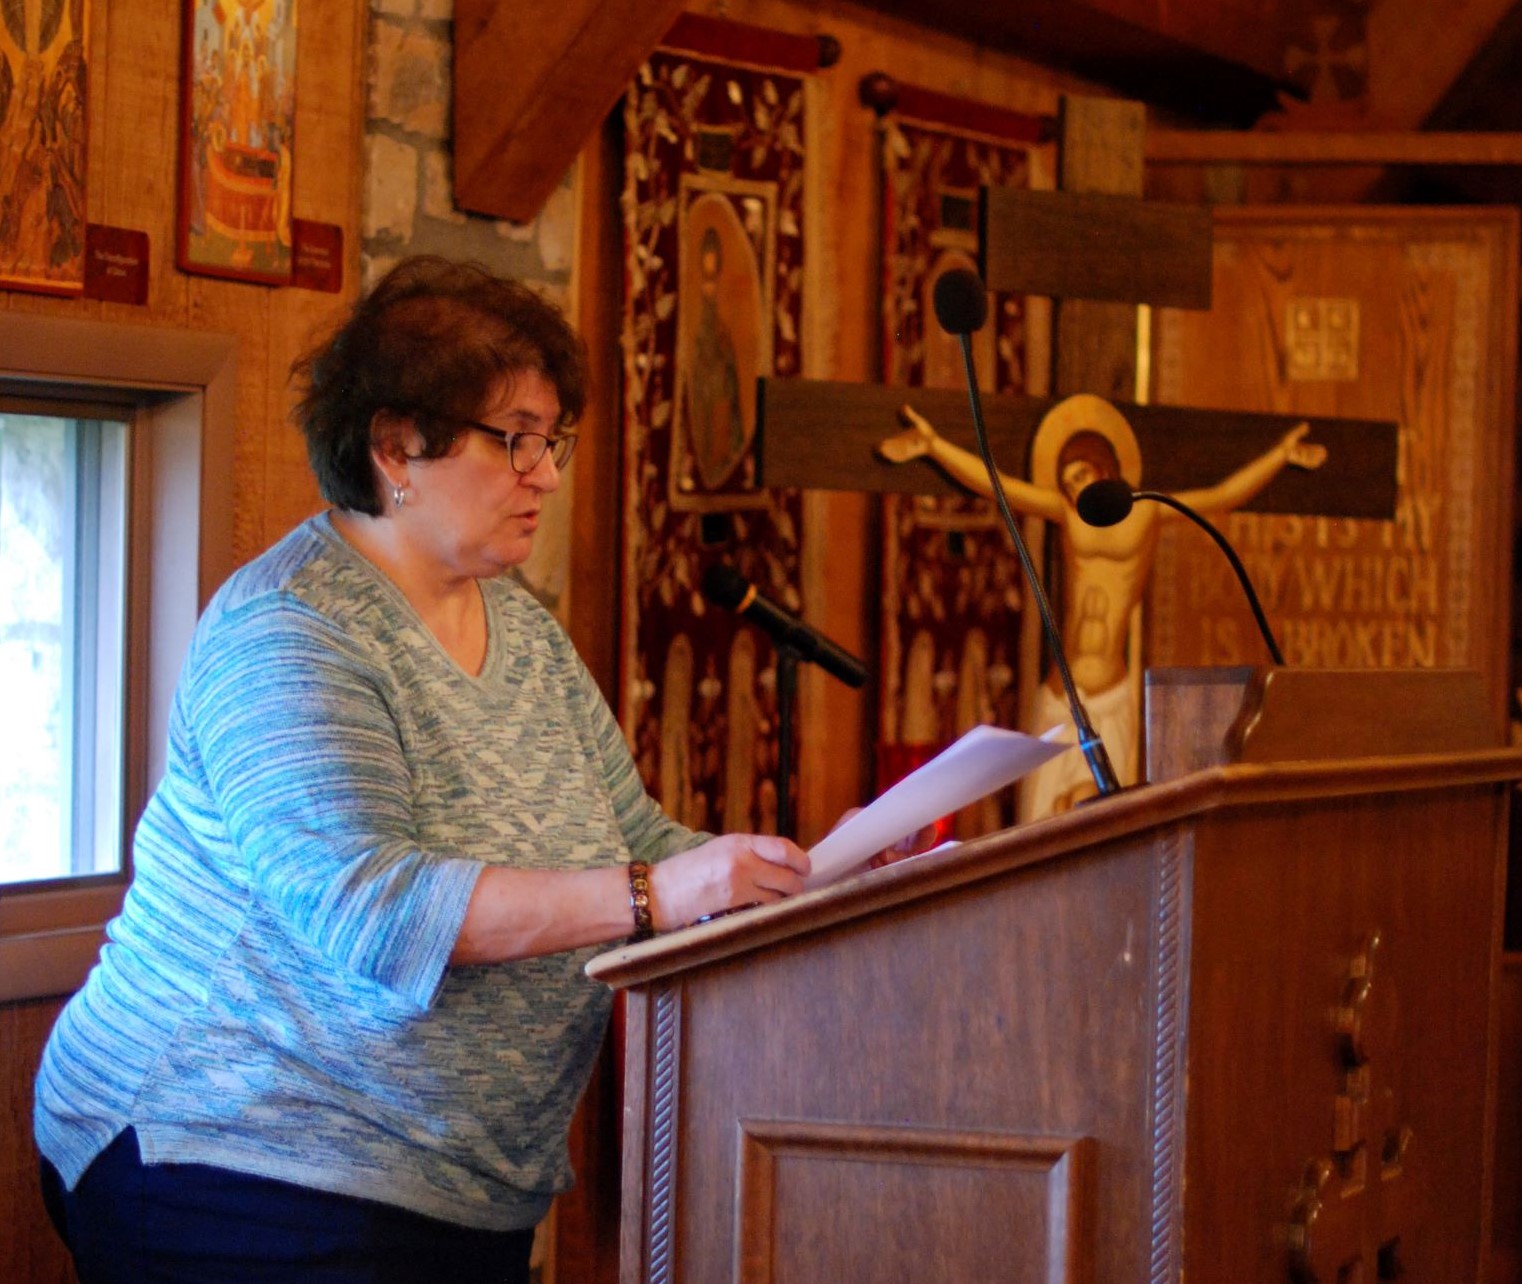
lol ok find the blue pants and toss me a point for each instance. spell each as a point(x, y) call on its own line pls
point(131, 1223)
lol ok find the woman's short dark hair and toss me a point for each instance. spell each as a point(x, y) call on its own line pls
point(429, 342)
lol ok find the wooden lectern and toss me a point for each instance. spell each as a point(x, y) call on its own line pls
point(1235, 1025)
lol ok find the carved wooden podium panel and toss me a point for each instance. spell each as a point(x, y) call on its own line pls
point(1235, 1026)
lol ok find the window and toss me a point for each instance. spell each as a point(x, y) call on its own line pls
point(64, 550)
point(115, 526)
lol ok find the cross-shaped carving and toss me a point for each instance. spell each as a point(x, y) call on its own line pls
point(1335, 66)
point(1345, 1226)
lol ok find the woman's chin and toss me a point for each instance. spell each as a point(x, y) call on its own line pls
point(502, 558)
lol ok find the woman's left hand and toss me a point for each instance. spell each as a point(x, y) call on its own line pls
point(922, 840)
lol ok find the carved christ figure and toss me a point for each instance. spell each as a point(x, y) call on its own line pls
point(1104, 569)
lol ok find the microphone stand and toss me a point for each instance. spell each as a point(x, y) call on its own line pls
point(1092, 747)
point(787, 687)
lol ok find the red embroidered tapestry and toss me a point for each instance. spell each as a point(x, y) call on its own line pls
point(713, 224)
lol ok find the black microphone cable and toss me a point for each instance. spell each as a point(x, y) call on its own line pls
point(1110, 500)
point(961, 306)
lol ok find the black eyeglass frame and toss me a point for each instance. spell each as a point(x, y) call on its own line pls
point(559, 447)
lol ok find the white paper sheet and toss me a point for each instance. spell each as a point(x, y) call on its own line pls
point(985, 759)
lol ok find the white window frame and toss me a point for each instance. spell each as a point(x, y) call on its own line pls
point(182, 385)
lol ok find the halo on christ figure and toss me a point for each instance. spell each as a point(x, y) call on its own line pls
point(1070, 426)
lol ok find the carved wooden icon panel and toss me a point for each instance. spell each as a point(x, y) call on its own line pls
point(1405, 315)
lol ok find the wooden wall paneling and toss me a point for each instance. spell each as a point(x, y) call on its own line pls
point(30, 1252)
point(597, 272)
point(327, 188)
point(243, 310)
point(296, 320)
point(330, 126)
point(585, 1222)
point(328, 185)
point(134, 170)
point(586, 1225)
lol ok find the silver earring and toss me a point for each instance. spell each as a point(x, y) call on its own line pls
point(398, 494)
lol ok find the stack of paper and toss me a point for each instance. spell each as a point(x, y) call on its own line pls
point(985, 759)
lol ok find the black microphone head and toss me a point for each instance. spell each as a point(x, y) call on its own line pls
point(961, 302)
point(724, 586)
point(1106, 502)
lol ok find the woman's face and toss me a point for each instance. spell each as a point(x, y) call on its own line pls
point(470, 509)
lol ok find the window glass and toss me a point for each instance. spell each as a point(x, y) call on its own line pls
point(63, 629)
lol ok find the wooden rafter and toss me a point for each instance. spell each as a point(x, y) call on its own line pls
point(1210, 147)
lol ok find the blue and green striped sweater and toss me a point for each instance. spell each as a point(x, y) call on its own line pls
point(275, 996)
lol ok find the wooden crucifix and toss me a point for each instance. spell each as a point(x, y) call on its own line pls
point(1099, 250)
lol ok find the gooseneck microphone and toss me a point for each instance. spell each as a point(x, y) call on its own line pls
point(1110, 500)
point(724, 586)
point(961, 306)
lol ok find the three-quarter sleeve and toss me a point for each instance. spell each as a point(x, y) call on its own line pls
point(302, 755)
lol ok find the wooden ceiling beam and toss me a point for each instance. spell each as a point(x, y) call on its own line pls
point(532, 82)
point(1217, 61)
point(1226, 147)
point(534, 79)
point(1418, 49)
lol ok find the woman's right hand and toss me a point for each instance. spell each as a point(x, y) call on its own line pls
point(724, 873)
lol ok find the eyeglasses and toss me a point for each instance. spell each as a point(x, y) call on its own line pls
point(526, 449)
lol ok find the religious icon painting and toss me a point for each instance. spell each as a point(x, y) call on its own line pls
point(727, 240)
point(713, 231)
point(238, 117)
point(43, 84)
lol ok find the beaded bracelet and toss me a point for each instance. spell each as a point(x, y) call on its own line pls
point(639, 900)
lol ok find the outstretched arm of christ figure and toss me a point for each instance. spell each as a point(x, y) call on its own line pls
point(919, 440)
point(1293, 451)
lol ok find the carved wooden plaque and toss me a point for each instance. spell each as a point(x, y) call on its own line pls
point(1406, 315)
